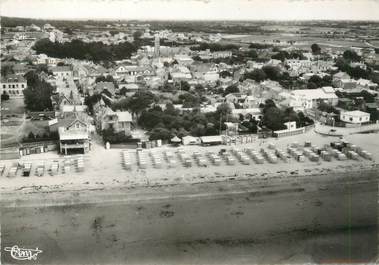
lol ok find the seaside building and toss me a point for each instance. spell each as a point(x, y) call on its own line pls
point(356, 117)
point(13, 86)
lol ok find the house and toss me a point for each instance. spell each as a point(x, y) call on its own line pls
point(119, 121)
point(13, 86)
point(254, 113)
point(44, 59)
point(366, 84)
point(130, 87)
point(309, 98)
point(347, 84)
point(211, 76)
point(180, 73)
point(20, 69)
point(235, 98)
point(271, 89)
point(356, 116)
point(73, 131)
point(250, 102)
point(62, 71)
point(133, 71)
point(338, 77)
point(190, 140)
point(183, 59)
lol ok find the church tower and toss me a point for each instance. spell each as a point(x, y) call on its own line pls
point(156, 46)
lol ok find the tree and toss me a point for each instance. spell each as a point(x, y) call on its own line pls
point(113, 32)
point(6, 70)
point(189, 100)
point(102, 78)
point(184, 86)
point(224, 74)
point(150, 119)
point(37, 95)
point(160, 133)
point(4, 96)
point(281, 55)
point(273, 118)
point(77, 49)
point(199, 89)
point(231, 89)
point(357, 72)
point(351, 56)
point(316, 49)
point(311, 85)
point(257, 74)
point(223, 110)
point(140, 101)
point(253, 54)
point(272, 72)
point(68, 31)
point(137, 35)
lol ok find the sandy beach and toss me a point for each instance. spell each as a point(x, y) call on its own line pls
point(283, 213)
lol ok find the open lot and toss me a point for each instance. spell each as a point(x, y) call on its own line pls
point(12, 107)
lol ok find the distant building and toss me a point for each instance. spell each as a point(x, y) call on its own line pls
point(119, 121)
point(310, 98)
point(62, 71)
point(355, 116)
point(13, 86)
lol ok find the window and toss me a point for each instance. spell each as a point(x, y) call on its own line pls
point(360, 118)
point(351, 118)
point(4, 86)
point(22, 86)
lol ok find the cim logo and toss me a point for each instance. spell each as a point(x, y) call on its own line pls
point(23, 253)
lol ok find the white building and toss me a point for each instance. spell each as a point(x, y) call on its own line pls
point(355, 117)
point(62, 71)
point(309, 98)
point(13, 86)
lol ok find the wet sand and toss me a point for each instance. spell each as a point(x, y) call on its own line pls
point(292, 222)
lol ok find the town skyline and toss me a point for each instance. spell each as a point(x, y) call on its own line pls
point(228, 10)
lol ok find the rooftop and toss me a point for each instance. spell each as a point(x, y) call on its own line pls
point(355, 113)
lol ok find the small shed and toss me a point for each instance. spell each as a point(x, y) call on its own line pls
point(211, 140)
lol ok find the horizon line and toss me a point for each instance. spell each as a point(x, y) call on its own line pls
point(191, 20)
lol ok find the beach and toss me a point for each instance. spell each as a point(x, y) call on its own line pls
point(286, 213)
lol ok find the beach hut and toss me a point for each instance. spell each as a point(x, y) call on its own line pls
point(190, 140)
point(26, 169)
point(211, 140)
point(54, 168)
point(175, 140)
point(40, 169)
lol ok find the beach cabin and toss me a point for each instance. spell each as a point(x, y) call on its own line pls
point(211, 140)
